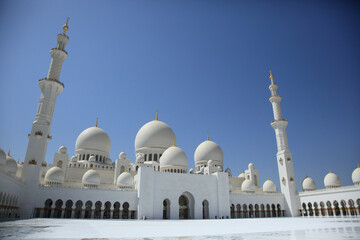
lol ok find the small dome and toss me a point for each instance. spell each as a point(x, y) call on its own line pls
point(241, 175)
point(308, 184)
point(11, 165)
point(63, 149)
point(356, 176)
point(191, 171)
point(91, 177)
point(122, 155)
point(208, 150)
point(331, 180)
point(248, 186)
point(174, 157)
point(154, 134)
point(2, 157)
point(92, 158)
point(74, 159)
point(55, 174)
point(93, 138)
point(251, 166)
point(125, 180)
point(269, 186)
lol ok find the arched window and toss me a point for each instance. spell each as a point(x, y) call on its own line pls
point(150, 157)
point(155, 157)
point(329, 207)
point(238, 211)
point(97, 212)
point(343, 208)
point(68, 209)
point(316, 208)
point(145, 157)
point(337, 209)
point(101, 160)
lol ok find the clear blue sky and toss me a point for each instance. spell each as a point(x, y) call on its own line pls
point(204, 65)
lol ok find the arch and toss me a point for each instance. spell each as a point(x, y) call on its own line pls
point(205, 209)
point(311, 212)
point(316, 208)
point(68, 209)
point(107, 210)
point(150, 157)
point(155, 157)
point(59, 164)
point(186, 206)
point(278, 210)
point(238, 210)
point(97, 212)
point(232, 211)
point(88, 206)
point(352, 207)
point(78, 208)
point(251, 211)
point(58, 208)
point(47, 209)
point(358, 204)
point(330, 210)
point(262, 210)
point(116, 213)
point(268, 212)
point(122, 169)
point(343, 208)
point(87, 157)
point(166, 209)
point(257, 211)
point(337, 209)
point(245, 215)
point(273, 211)
point(125, 213)
point(304, 213)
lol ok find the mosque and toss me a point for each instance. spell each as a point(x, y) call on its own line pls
point(158, 185)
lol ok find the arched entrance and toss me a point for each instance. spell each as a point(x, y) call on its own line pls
point(166, 209)
point(205, 204)
point(186, 206)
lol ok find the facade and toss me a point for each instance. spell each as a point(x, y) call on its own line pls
point(158, 185)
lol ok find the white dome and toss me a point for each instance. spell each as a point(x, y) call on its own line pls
point(269, 186)
point(74, 158)
point(331, 180)
point(251, 166)
point(125, 180)
point(122, 155)
point(154, 134)
point(62, 149)
point(2, 157)
point(308, 184)
point(174, 157)
point(11, 165)
point(55, 174)
point(248, 186)
point(91, 177)
point(241, 175)
point(208, 150)
point(93, 138)
point(92, 158)
point(356, 176)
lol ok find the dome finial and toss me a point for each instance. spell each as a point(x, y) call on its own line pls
point(157, 115)
point(66, 27)
point(9, 153)
point(96, 123)
point(271, 77)
point(358, 166)
point(329, 171)
point(207, 137)
point(174, 142)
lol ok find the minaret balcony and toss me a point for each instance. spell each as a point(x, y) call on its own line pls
point(60, 50)
point(283, 120)
point(53, 80)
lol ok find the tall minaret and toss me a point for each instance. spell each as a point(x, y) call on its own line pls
point(39, 137)
point(284, 157)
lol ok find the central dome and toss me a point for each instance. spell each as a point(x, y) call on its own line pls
point(154, 134)
point(93, 138)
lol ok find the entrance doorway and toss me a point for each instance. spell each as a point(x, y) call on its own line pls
point(183, 207)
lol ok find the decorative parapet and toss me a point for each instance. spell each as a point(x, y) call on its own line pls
point(53, 80)
point(60, 50)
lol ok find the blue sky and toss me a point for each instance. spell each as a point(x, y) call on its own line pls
point(204, 65)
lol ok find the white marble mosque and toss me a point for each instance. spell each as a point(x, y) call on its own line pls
point(158, 185)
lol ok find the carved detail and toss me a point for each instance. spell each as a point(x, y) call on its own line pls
point(33, 162)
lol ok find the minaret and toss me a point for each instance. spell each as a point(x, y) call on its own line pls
point(284, 157)
point(39, 137)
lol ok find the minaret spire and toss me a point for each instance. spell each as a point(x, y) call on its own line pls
point(157, 115)
point(284, 156)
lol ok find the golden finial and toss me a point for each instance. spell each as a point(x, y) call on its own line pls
point(174, 142)
point(66, 27)
point(268, 178)
point(329, 171)
point(9, 153)
point(207, 137)
point(271, 77)
point(18, 161)
point(96, 122)
point(358, 166)
point(157, 115)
